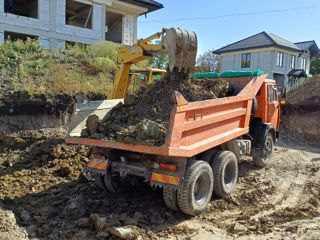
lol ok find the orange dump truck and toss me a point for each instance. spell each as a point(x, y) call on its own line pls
point(204, 144)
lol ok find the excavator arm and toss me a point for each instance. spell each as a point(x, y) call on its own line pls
point(180, 45)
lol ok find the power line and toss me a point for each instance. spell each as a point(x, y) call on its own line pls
point(234, 15)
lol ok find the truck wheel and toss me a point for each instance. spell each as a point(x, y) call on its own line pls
point(267, 151)
point(195, 192)
point(254, 106)
point(170, 198)
point(98, 179)
point(115, 184)
point(225, 173)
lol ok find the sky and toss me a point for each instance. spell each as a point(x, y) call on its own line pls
point(221, 22)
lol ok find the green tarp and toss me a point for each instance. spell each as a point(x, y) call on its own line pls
point(200, 75)
point(227, 74)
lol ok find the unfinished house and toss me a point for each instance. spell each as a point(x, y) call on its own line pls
point(55, 22)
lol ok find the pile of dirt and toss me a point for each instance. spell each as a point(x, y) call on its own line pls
point(144, 117)
point(22, 102)
point(301, 113)
point(309, 89)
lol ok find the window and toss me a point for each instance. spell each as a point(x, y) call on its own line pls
point(245, 60)
point(79, 14)
point(26, 8)
point(272, 94)
point(292, 61)
point(113, 27)
point(303, 63)
point(279, 59)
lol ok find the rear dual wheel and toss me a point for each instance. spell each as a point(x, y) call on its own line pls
point(200, 180)
point(195, 192)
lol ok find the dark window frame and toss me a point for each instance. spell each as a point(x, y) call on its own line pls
point(246, 60)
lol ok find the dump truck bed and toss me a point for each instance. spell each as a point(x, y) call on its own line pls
point(194, 127)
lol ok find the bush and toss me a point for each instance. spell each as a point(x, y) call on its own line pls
point(104, 64)
point(104, 49)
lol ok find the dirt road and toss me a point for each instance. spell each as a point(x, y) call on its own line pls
point(44, 187)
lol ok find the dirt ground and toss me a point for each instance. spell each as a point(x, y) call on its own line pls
point(144, 116)
point(43, 186)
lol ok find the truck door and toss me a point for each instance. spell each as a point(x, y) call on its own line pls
point(273, 106)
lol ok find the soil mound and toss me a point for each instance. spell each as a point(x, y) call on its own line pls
point(310, 88)
point(144, 117)
point(301, 113)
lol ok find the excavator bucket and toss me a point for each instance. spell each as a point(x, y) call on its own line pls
point(181, 46)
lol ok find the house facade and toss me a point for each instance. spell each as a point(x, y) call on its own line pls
point(286, 62)
point(55, 22)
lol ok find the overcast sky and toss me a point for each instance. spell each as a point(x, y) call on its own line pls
point(221, 22)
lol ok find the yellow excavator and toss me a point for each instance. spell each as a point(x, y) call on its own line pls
point(144, 76)
point(181, 47)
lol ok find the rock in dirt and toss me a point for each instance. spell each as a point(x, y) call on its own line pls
point(25, 216)
point(83, 222)
point(144, 117)
point(123, 232)
point(239, 228)
point(75, 208)
point(102, 235)
point(82, 235)
point(98, 222)
point(9, 230)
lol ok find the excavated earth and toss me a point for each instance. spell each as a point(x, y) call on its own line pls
point(144, 117)
point(45, 195)
point(301, 113)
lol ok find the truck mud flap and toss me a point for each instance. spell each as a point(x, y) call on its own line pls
point(97, 164)
point(160, 179)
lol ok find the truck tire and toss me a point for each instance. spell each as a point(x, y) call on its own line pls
point(195, 192)
point(254, 106)
point(225, 173)
point(170, 198)
point(266, 152)
point(98, 179)
point(115, 184)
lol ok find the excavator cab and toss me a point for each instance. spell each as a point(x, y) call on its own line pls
point(145, 76)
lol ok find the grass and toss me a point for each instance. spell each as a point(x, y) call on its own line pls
point(26, 66)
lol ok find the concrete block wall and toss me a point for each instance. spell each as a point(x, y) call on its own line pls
point(52, 30)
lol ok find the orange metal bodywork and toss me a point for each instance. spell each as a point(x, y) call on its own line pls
point(270, 113)
point(195, 127)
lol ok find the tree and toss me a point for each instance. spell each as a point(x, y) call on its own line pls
point(315, 66)
point(160, 61)
point(208, 62)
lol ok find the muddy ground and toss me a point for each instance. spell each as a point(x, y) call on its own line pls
point(144, 116)
point(43, 185)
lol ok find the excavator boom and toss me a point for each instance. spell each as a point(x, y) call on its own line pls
point(180, 45)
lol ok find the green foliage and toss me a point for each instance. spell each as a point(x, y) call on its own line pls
point(315, 66)
point(160, 61)
point(208, 62)
point(104, 49)
point(79, 68)
point(104, 64)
